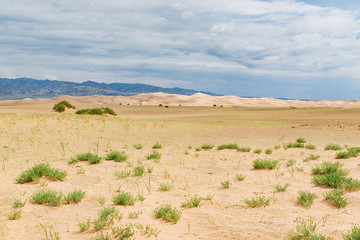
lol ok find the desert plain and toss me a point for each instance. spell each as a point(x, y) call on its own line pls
point(32, 133)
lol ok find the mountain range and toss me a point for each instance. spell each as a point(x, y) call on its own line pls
point(32, 88)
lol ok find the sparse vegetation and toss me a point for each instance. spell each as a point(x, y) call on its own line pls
point(157, 145)
point(268, 151)
point(353, 234)
point(139, 170)
point(311, 157)
point(290, 162)
point(96, 111)
point(306, 198)
point(257, 151)
point(228, 146)
point(124, 199)
point(91, 158)
point(244, 149)
point(336, 197)
point(207, 146)
point(280, 188)
point(306, 230)
point(168, 213)
point(74, 196)
point(16, 214)
point(301, 140)
point(240, 177)
point(294, 145)
point(331, 146)
point(116, 156)
point(265, 163)
point(47, 197)
point(138, 146)
point(122, 174)
point(18, 204)
point(36, 172)
point(311, 147)
point(191, 203)
point(346, 155)
point(154, 155)
point(106, 217)
point(166, 187)
point(258, 201)
point(226, 184)
point(61, 106)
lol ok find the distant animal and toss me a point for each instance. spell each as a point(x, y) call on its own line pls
point(160, 105)
point(179, 105)
point(167, 106)
point(221, 106)
point(140, 104)
point(128, 104)
point(120, 103)
point(214, 105)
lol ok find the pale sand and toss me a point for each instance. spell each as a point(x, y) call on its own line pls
point(198, 99)
point(33, 133)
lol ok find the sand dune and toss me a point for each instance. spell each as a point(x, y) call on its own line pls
point(197, 99)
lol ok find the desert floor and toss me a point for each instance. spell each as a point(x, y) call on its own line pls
point(33, 133)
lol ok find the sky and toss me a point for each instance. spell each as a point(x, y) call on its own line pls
point(280, 48)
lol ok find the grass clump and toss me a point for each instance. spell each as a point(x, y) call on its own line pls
point(244, 149)
point(134, 214)
point(301, 140)
point(124, 199)
point(192, 203)
point(48, 197)
point(305, 230)
point(258, 201)
point(265, 163)
point(280, 188)
point(166, 186)
point(106, 217)
point(353, 234)
point(311, 157)
point(74, 197)
point(38, 171)
point(257, 151)
point(157, 145)
point(311, 147)
point(18, 204)
point(333, 147)
point(346, 155)
point(138, 146)
point(96, 111)
point(61, 106)
point(122, 174)
point(91, 158)
point(16, 214)
point(294, 145)
point(226, 184)
point(240, 177)
point(336, 197)
point(154, 155)
point(268, 151)
point(139, 171)
point(332, 175)
point(290, 162)
point(84, 225)
point(228, 146)
point(168, 213)
point(306, 198)
point(207, 146)
point(116, 156)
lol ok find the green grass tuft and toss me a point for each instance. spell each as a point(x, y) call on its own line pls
point(244, 149)
point(240, 177)
point(207, 146)
point(306, 198)
point(226, 184)
point(280, 188)
point(333, 147)
point(305, 230)
point(257, 151)
point(157, 145)
point(353, 234)
point(74, 197)
point(116, 156)
point(16, 214)
point(294, 145)
point(48, 197)
point(166, 186)
point(228, 146)
point(18, 204)
point(192, 203)
point(91, 158)
point(168, 213)
point(124, 199)
point(336, 198)
point(258, 201)
point(36, 172)
point(265, 163)
point(301, 140)
point(154, 155)
point(138, 146)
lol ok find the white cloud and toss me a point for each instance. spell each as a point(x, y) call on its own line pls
point(155, 40)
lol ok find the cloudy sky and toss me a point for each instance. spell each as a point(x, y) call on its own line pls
point(280, 48)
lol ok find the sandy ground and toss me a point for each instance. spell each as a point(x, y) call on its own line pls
point(32, 133)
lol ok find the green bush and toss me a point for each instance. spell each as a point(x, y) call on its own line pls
point(96, 111)
point(36, 172)
point(265, 163)
point(91, 158)
point(306, 198)
point(116, 156)
point(333, 147)
point(228, 146)
point(60, 107)
point(168, 213)
point(74, 196)
point(191, 203)
point(47, 197)
point(124, 199)
point(353, 234)
point(258, 201)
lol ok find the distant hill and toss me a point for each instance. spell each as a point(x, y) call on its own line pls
point(33, 88)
